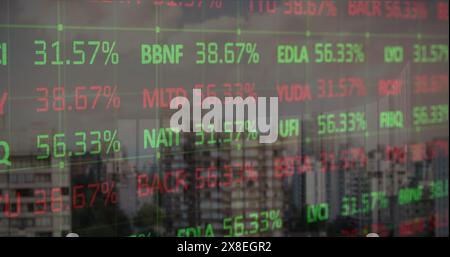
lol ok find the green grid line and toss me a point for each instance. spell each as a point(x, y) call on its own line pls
point(227, 31)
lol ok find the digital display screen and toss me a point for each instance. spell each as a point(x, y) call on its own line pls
point(224, 118)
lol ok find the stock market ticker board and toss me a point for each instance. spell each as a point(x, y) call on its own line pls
point(87, 147)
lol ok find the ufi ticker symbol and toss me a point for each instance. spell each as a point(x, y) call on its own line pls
point(4, 54)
